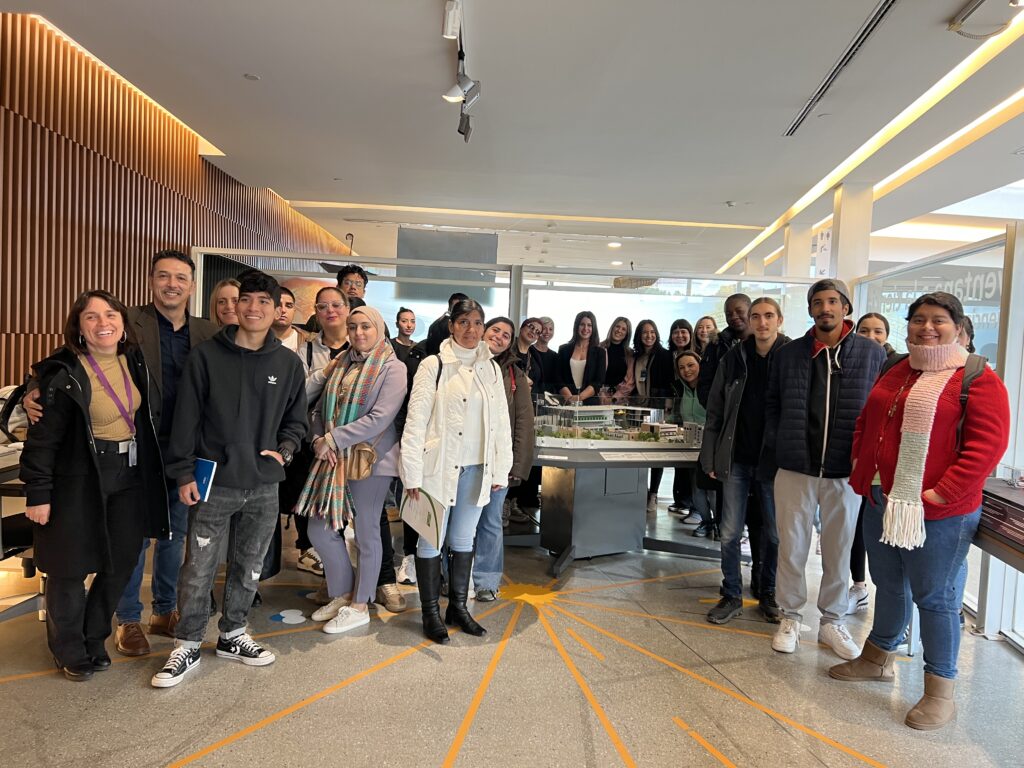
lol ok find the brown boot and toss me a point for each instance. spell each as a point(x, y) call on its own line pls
point(936, 707)
point(131, 640)
point(873, 664)
point(164, 623)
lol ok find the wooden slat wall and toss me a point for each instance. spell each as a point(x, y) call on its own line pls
point(95, 178)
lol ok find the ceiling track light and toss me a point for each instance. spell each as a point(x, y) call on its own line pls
point(466, 89)
point(452, 19)
point(465, 124)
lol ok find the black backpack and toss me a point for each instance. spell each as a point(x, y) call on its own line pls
point(973, 368)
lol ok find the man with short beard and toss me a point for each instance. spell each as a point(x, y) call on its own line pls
point(816, 390)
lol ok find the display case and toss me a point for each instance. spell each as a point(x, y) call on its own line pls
point(633, 423)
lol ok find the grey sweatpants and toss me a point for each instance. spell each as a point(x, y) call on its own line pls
point(797, 496)
point(368, 496)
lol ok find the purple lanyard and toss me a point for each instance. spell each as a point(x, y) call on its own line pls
point(113, 396)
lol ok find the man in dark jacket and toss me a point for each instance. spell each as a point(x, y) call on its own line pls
point(249, 424)
point(737, 309)
point(732, 453)
point(817, 387)
point(438, 330)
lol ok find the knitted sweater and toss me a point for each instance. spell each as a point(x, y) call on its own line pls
point(957, 478)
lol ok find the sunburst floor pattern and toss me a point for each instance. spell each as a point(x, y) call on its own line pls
point(594, 669)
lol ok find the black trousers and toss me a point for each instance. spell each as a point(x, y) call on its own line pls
point(858, 552)
point(527, 494)
point(682, 486)
point(79, 622)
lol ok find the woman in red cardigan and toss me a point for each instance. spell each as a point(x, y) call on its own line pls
point(924, 498)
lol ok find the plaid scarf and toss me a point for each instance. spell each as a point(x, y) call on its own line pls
point(326, 495)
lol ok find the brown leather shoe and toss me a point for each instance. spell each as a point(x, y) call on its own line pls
point(936, 707)
point(390, 598)
point(131, 640)
point(164, 623)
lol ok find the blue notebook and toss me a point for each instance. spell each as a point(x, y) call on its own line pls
point(204, 472)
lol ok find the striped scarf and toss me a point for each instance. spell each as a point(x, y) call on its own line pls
point(903, 521)
point(326, 495)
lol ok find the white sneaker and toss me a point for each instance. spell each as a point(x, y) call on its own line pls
point(652, 502)
point(858, 600)
point(407, 570)
point(837, 637)
point(787, 636)
point(347, 618)
point(310, 562)
point(329, 611)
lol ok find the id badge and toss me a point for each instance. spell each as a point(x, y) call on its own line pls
point(133, 453)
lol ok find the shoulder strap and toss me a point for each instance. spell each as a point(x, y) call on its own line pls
point(890, 362)
point(973, 368)
point(309, 354)
point(440, 365)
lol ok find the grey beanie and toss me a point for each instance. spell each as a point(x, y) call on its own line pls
point(831, 284)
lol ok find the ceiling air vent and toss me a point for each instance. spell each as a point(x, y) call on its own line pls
point(867, 29)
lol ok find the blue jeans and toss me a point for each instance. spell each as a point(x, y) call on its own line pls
point(246, 517)
point(735, 490)
point(933, 575)
point(489, 563)
point(166, 564)
point(459, 527)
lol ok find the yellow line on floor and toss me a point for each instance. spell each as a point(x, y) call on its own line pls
point(585, 644)
point(721, 688)
point(704, 743)
point(641, 581)
point(685, 622)
point(478, 697)
point(281, 714)
point(594, 704)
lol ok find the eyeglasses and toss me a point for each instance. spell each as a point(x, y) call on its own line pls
point(352, 283)
point(337, 306)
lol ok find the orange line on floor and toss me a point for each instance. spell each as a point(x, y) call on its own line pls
point(640, 581)
point(478, 697)
point(281, 714)
point(721, 688)
point(686, 622)
point(585, 644)
point(704, 743)
point(594, 704)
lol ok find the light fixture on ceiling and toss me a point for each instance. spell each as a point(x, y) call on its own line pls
point(466, 89)
point(452, 19)
point(251, 76)
point(1017, 3)
point(616, 263)
point(614, 244)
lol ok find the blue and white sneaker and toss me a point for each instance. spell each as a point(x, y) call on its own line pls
point(179, 663)
point(244, 649)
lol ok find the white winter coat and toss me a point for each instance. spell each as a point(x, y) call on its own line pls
point(431, 443)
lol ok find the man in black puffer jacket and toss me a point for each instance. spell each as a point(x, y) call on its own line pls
point(816, 390)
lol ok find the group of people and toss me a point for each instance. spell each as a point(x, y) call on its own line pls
point(886, 452)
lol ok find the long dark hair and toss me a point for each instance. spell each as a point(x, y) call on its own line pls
point(638, 345)
point(876, 316)
point(680, 323)
point(73, 325)
point(576, 328)
point(509, 355)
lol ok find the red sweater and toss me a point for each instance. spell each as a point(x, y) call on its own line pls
point(957, 478)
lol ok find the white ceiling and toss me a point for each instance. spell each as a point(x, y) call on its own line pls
point(652, 109)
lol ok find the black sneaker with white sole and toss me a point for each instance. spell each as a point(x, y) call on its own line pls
point(179, 663)
point(727, 609)
point(244, 649)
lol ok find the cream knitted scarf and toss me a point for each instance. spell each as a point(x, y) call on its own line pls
point(903, 521)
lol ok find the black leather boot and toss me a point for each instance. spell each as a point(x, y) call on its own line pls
point(428, 581)
point(459, 569)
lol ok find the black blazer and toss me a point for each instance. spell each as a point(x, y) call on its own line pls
point(593, 374)
point(660, 373)
point(147, 333)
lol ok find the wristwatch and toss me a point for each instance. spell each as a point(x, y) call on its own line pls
point(286, 454)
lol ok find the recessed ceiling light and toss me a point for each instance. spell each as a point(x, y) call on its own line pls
point(614, 244)
point(251, 76)
point(338, 178)
point(616, 263)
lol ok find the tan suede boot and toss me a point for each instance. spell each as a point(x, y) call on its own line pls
point(873, 664)
point(936, 707)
